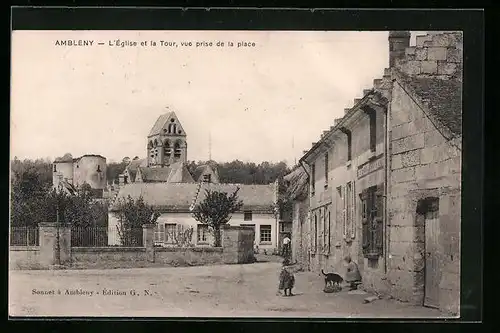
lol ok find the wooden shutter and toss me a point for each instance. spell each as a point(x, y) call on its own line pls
point(329, 230)
point(365, 225)
point(344, 210)
point(378, 221)
point(353, 211)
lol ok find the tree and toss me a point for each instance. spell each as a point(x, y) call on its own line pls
point(215, 211)
point(132, 214)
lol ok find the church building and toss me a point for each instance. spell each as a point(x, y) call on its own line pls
point(163, 180)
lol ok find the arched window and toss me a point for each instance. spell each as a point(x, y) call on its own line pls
point(167, 149)
point(177, 149)
point(156, 143)
point(150, 144)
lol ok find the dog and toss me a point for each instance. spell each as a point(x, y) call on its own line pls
point(332, 279)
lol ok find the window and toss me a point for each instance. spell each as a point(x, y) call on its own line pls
point(373, 130)
point(55, 168)
point(349, 142)
point(247, 216)
point(159, 235)
point(207, 178)
point(265, 234)
point(201, 233)
point(170, 233)
point(326, 169)
point(372, 221)
point(177, 149)
point(98, 168)
point(349, 146)
point(349, 211)
point(313, 178)
point(315, 241)
point(166, 149)
point(329, 233)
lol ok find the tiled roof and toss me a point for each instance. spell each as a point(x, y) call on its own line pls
point(66, 158)
point(179, 196)
point(176, 173)
point(155, 174)
point(443, 98)
point(179, 173)
point(134, 165)
point(297, 184)
point(162, 120)
point(201, 169)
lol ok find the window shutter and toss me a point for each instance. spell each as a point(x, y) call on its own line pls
point(378, 221)
point(365, 213)
point(329, 232)
point(353, 212)
point(344, 215)
point(162, 232)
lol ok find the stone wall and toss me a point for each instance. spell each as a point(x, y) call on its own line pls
point(300, 234)
point(194, 256)
point(107, 257)
point(24, 257)
point(434, 55)
point(423, 164)
point(237, 248)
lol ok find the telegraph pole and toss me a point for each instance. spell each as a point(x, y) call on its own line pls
point(209, 146)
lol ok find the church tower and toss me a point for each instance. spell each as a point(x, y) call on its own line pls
point(166, 142)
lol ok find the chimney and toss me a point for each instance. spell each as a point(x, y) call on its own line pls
point(398, 42)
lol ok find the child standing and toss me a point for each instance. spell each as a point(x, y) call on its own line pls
point(352, 276)
point(286, 280)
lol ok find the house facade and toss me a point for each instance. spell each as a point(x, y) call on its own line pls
point(175, 200)
point(385, 179)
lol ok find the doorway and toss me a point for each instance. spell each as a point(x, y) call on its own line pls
point(432, 253)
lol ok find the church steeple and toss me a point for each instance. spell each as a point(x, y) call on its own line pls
point(167, 141)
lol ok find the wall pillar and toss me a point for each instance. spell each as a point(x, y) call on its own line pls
point(237, 243)
point(148, 240)
point(48, 244)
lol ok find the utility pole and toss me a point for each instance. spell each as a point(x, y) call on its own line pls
point(209, 146)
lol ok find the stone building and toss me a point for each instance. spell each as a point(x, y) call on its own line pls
point(89, 169)
point(385, 179)
point(166, 157)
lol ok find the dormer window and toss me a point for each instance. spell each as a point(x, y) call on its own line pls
point(326, 169)
point(349, 142)
point(207, 178)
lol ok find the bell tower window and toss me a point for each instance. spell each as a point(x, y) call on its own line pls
point(177, 150)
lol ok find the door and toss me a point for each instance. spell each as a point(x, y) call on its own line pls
point(253, 226)
point(432, 265)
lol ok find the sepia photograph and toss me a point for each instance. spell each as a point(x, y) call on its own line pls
point(176, 173)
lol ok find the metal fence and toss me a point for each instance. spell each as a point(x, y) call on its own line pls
point(24, 236)
point(89, 236)
point(102, 236)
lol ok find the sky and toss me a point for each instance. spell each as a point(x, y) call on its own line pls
point(268, 102)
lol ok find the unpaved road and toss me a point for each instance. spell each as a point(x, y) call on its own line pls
point(206, 291)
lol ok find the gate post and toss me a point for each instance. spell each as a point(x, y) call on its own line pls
point(148, 241)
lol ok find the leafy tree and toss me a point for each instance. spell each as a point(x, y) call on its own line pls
point(114, 169)
point(132, 214)
point(215, 211)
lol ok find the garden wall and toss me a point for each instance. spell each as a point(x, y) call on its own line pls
point(237, 249)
